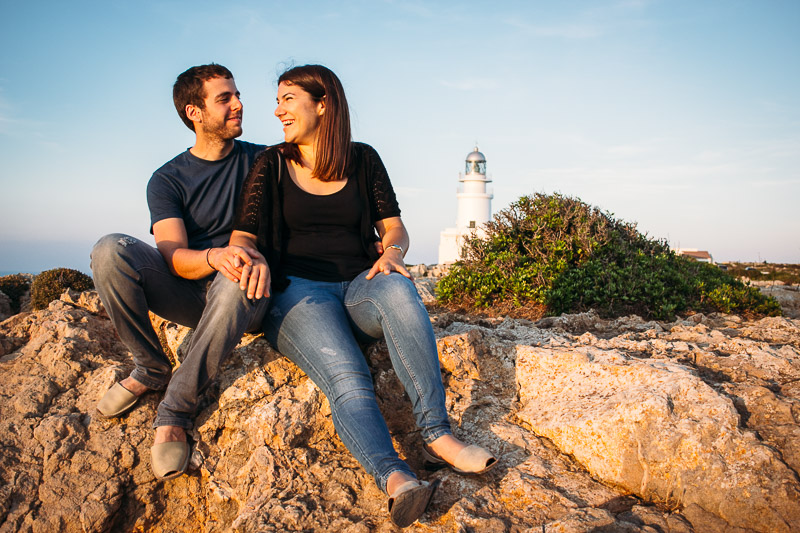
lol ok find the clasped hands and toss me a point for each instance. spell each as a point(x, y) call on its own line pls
point(243, 265)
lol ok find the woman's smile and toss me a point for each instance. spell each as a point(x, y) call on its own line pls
point(299, 113)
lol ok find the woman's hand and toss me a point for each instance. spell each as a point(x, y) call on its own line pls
point(241, 262)
point(255, 278)
point(390, 261)
point(393, 233)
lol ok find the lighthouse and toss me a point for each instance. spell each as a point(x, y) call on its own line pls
point(474, 207)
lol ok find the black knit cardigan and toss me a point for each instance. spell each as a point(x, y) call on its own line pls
point(259, 210)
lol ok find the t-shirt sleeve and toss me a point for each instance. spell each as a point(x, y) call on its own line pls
point(248, 210)
point(384, 202)
point(163, 200)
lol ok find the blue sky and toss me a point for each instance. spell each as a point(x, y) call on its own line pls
point(682, 116)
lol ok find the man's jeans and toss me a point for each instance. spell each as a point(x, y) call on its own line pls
point(131, 278)
point(315, 325)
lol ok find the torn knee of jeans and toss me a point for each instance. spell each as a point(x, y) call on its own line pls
point(125, 241)
point(328, 351)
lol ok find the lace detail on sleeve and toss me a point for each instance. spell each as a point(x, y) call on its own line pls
point(384, 202)
point(248, 212)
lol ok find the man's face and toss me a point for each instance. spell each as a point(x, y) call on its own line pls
point(222, 116)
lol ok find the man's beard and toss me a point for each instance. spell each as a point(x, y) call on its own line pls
point(222, 130)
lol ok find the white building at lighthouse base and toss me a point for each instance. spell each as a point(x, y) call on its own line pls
point(450, 243)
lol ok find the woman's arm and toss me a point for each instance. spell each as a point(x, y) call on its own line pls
point(255, 274)
point(392, 232)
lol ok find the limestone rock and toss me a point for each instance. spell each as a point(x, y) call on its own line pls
point(658, 431)
point(419, 270)
point(426, 287)
point(601, 425)
point(787, 295)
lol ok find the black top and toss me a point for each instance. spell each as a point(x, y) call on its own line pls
point(260, 209)
point(322, 233)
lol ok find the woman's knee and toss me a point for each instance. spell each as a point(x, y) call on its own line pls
point(354, 384)
point(393, 289)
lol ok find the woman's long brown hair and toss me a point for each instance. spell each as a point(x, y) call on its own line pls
point(333, 140)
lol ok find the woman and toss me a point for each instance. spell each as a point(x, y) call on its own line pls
point(312, 206)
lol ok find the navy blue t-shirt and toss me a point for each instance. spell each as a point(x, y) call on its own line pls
point(202, 193)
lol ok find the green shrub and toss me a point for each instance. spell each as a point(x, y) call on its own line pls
point(785, 273)
point(550, 254)
point(15, 286)
point(739, 298)
point(50, 284)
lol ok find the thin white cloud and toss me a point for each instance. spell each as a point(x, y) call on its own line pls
point(411, 192)
point(626, 150)
point(414, 8)
point(23, 128)
point(29, 130)
point(590, 23)
point(472, 84)
point(780, 182)
point(634, 4)
point(14, 127)
point(563, 31)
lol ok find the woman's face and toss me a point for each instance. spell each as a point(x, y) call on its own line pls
point(299, 114)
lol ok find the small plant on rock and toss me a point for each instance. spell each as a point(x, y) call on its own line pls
point(50, 284)
point(15, 286)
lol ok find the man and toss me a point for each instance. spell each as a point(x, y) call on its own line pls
point(193, 278)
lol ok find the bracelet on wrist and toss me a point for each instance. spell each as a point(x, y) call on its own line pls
point(207, 261)
point(396, 246)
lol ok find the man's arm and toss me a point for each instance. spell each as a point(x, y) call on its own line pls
point(173, 243)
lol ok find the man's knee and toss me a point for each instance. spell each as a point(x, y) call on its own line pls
point(109, 250)
point(227, 294)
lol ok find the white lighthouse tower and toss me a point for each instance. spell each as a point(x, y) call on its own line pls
point(474, 207)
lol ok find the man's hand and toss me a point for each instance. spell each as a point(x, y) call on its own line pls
point(244, 265)
point(390, 261)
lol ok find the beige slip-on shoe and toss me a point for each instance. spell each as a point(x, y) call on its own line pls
point(409, 501)
point(116, 401)
point(470, 460)
point(170, 459)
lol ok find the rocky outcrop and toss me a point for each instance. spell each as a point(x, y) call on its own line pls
point(602, 425)
point(786, 295)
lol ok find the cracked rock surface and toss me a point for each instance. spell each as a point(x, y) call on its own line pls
point(601, 425)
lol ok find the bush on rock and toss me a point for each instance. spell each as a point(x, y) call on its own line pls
point(551, 254)
point(15, 286)
point(49, 285)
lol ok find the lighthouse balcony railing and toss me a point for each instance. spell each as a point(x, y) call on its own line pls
point(487, 190)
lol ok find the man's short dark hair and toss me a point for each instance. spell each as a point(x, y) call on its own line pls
point(188, 88)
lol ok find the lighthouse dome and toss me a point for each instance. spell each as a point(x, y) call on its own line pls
point(475, 164)
point(475, 155)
